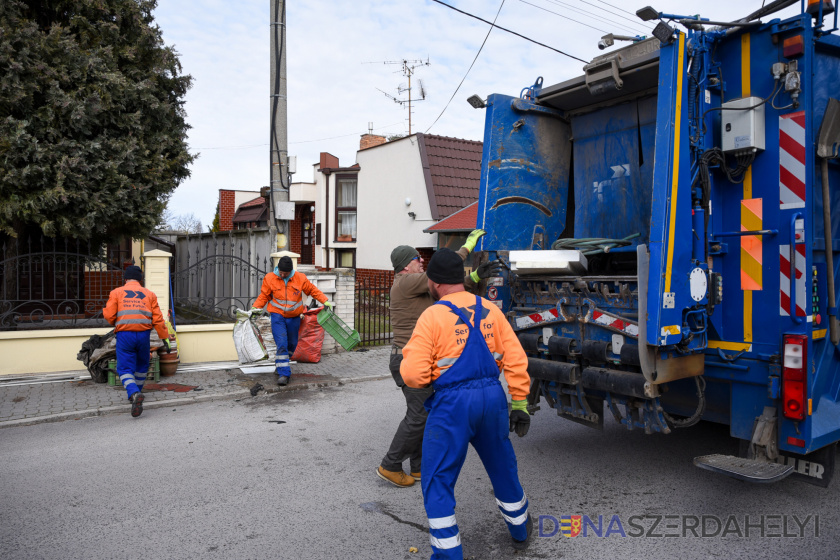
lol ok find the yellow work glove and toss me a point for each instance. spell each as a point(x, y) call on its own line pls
point(520, 421)
point(473, 238)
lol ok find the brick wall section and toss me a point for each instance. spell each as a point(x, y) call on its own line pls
point(295, 230)
point(98, 286)
point(371, 140)
point(370, 276)
point(227, 208)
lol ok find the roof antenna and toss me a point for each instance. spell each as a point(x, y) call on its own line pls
point(407, 70)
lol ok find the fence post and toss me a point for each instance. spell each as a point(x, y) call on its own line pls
point(157, 277)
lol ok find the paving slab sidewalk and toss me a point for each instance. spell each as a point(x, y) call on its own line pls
point(36, 398)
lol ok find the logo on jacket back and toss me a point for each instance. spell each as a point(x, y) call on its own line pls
point(467, 313)
point(131, 294)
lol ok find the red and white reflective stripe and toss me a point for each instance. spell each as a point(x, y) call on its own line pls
point(627, 328)
point(792, 160)
point(537, 318)
point(784, 280)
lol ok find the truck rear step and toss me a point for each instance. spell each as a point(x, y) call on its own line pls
point(750, 470)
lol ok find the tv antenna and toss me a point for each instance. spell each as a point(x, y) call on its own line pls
point(408, 67)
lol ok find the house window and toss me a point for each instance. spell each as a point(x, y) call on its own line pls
point(345, 258)
point(345, 208)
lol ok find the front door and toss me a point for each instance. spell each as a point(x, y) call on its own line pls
point(307, 236)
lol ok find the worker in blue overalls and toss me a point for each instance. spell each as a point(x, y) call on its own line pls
point(458, 347)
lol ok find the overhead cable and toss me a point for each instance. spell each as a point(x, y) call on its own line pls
point(589, 14)
point(471, 65)
point(511, 32)
point(635, 21)
point(565, 17)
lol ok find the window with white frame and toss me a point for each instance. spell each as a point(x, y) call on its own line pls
point(345, 208)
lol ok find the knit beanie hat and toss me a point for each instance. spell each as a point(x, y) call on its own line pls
point(133, 273)
point(285, 264)
point(446, 267)
point(401, 256)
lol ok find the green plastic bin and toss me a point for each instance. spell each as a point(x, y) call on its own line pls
point(344, 335)
point(153, 376)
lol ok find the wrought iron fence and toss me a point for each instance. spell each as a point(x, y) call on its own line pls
point(54, 283)
point(214, 278)
point(373, 308)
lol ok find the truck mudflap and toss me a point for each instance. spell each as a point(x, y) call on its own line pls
point(816, 468)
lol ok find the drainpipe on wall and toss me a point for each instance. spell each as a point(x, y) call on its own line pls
point(327, 222)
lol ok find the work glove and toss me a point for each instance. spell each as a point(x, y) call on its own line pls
point(486, 270)
point(330, 304)
point(519, 419)
point(166, 345)
point(473, 238)
point(256, 310)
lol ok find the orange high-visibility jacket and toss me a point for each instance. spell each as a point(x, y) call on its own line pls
point(285, 297)
point(440, 336)
point(134, 308)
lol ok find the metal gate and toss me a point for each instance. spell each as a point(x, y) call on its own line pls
point(209, 284)
point(373, 308)
point(52, 284)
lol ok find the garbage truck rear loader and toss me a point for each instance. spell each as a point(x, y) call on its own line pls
point(670, 222)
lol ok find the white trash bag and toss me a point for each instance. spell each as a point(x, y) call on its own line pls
point(247, 339)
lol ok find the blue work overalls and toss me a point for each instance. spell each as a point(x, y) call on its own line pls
point(285, 332)
point(133, 359)
point(468, 406)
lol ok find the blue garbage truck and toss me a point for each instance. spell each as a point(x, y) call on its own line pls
point(669, 223)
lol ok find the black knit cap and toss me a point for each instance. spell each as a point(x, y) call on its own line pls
point(446, 267)
point(133, 273)
point(285, 264)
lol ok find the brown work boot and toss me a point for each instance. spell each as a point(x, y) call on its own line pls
point(397, 478)
point(416, 476)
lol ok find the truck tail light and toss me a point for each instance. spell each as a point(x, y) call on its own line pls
point(814, 7)
point(794, 376)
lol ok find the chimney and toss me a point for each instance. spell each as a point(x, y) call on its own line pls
point(371, 140)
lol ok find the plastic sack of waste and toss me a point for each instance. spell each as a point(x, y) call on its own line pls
point(246, 338)
point(310, 338)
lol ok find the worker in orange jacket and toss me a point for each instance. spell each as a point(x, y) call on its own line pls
point(459, 346)
point(134, 310)
point(283, 291)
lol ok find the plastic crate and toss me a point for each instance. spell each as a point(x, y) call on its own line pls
point(153, 376)
point(336, 328)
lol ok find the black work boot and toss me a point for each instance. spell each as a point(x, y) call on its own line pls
point(284, 380)
point(136, 404)
point(529, 528)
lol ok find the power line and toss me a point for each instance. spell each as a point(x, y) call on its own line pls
point(343, 135)
point(470, 68)
point(617, 8)
point(634, 22)
point(511, 32)
point(565, 17)
point(591, 15)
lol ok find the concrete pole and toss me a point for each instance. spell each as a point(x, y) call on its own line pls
point(278, 143)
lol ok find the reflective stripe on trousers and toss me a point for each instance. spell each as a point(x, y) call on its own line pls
point(133, 359)
point(285, 332)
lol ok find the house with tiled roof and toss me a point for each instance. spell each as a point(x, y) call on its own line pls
point(405, 186)
point(251, 214)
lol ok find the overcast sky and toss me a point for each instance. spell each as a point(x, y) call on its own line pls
point(336, 54)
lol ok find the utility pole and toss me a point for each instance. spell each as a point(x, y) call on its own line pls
point(280, 209)
point(408, 69)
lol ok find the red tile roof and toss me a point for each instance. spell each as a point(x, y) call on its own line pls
point(462, 220)
point(453, 169)
point(259, 201)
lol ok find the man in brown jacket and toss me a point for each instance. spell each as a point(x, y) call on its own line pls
point(409, 298)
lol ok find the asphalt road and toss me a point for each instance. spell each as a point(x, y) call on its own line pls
point(291, 476)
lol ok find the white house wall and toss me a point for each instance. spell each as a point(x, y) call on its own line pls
point(390, 174)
